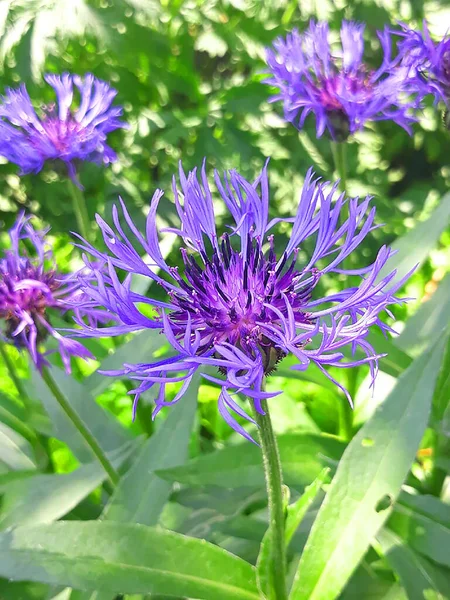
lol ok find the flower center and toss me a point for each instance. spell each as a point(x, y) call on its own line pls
point(335, 91)
point(230, 298)
point(62, 133)
point(25, 294)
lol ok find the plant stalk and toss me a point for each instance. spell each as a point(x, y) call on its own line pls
point(274, 480)
point(339, 151)
point(80, 210)
point(80, 426)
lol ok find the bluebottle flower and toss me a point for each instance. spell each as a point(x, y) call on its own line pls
point(334, 84)
point(63, 132)
point(428, 62)
point(235, 306)
point(30, 289)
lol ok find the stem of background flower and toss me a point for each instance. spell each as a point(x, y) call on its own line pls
point(272, 471)
point(14, 376)
point(80, 210)
point(345, 419)
point(80, 426)
point(339, 151)
point(345, 410)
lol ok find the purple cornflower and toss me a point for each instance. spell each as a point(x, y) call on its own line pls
point(235, 305)
point(30, 286)
point(336, 85)
point(61, 133)
point(428, 62)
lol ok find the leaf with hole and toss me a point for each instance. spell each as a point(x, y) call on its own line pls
point(367, 482)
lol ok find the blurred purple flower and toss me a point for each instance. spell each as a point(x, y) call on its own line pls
point(29, 287)
point(235, 305)
point(428, 62)
point(62, 133)
point(336, 86)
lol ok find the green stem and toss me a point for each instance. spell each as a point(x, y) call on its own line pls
point(272, 471)
point(345, 419)
point(339, 151)
point(80, 210)
point(345, 410)
point(14, 376)
point(81, 427)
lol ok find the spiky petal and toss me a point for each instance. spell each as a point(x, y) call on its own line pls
point(63, 132)
point(31, 288)
point(428, 62)
point(235, 305)
point(336, 85)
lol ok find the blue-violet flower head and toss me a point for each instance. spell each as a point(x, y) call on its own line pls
point(236, 306)
point(428, 62)
point(336, 85)
point(30, 288)
point(62, 132)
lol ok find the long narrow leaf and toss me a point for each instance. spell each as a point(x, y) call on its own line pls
point(120, 558)
point(367, 482)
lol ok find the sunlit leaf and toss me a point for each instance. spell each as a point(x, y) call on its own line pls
point(123, 558)
point(367, 482)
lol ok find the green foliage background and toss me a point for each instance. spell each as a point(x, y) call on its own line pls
point(189, 74)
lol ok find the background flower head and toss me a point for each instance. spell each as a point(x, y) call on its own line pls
point(428, 62)
point(62, 131)
point(30, 287)
point(235, 305)
point(335, 84)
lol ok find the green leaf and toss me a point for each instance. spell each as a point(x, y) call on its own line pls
point(296, 512)
point(23, 591)
point(124, 558)
point(14, 415)
point(420, 578)
point(441, 400)
point(367, 481)
point(141, 495)
point(108, 432)
point(375, 588)
point(425, 327)
point(46, 498)
point(253, 529)
point(141, 347)
point(422, 533)
point(414, 247)
point(264, 576)
point(15, 451)
point(430, 506)
point(303, 456)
